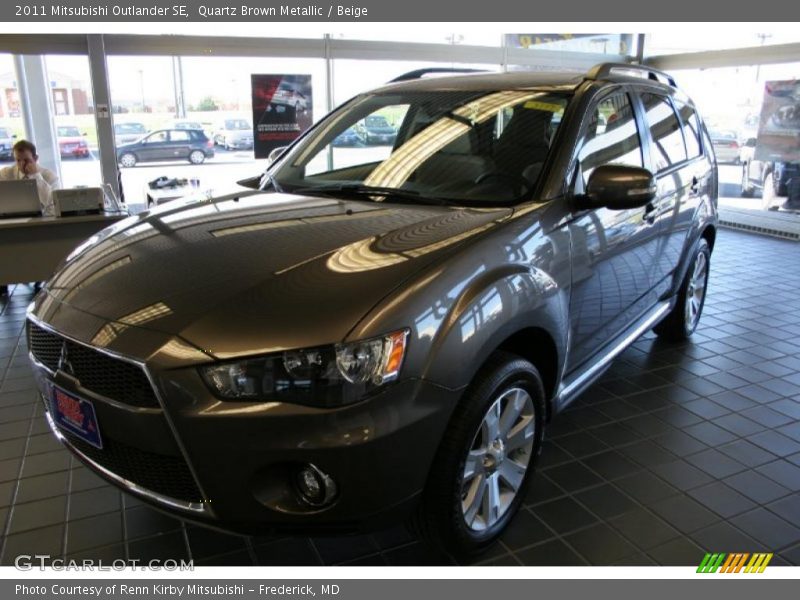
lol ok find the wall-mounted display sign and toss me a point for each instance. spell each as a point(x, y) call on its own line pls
point(282, 110)
point(779, 125)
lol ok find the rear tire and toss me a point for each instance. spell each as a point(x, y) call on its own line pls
point(682, 320)
point(196, 157)
point(486, 459)
point(128, 160)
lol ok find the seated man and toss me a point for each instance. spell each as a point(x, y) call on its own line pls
point(27, 167)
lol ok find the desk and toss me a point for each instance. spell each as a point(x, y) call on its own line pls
point(31, 249)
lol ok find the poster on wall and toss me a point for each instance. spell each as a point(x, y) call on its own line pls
point(779, 124)
point(282, 110)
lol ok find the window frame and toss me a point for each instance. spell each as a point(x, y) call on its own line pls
point(651, 143)
point(575, 181)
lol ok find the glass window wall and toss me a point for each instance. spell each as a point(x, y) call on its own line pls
point(210, 95)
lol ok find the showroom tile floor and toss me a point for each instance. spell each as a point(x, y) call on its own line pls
point(677, 450)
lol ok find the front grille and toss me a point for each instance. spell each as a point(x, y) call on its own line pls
point(165, 475)
point(97, 372)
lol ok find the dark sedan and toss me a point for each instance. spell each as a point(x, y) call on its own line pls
point(167, 144)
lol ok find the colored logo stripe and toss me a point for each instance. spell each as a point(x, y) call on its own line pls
point(735, 562)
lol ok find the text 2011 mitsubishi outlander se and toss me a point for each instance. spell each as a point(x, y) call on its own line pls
point(380, 332)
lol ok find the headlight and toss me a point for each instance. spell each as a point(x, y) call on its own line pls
point(328, 377)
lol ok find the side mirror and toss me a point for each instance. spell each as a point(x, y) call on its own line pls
point(276, 153)
point(618, 187)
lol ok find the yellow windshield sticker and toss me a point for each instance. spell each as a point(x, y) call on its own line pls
point(555, 108)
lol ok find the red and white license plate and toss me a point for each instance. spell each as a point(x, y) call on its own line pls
point(76, 416)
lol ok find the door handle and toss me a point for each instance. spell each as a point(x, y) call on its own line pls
point(695, 187)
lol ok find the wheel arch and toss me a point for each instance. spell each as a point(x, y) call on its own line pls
point(538, 347)
point(535, 332)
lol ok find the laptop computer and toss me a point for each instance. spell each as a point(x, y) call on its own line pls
point(19, 198)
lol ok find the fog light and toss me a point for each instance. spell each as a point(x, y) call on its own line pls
point(315, 487)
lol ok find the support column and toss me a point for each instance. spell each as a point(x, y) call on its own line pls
point(37, 110)
point(101, 95)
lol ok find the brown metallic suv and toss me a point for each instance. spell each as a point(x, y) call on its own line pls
point(385, 331)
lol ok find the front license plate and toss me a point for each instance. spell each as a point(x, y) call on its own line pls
point(76, 416)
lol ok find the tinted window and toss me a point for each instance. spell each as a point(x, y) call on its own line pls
point(668, 148)
point(691, 128)
point(444, 145)
point(611, 137)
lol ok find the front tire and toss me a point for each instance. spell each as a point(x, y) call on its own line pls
point(486, 459)
point(682, 320)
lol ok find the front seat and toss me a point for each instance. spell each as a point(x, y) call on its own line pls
point(524, 143)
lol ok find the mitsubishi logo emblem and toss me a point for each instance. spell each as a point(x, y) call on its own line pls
point(63, 361)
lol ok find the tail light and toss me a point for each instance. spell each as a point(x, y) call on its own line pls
point(209, 144)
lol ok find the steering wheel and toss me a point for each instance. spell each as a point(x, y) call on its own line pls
point(519, 180)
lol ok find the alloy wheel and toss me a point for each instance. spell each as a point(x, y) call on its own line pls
point(696, 291)
point(498, 459)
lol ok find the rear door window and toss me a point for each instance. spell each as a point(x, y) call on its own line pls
point(665, 130)
point(691, 129)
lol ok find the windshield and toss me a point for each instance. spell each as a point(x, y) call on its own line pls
point(68, 132)
point(377, 122)
point(448, 146)
point(237, 124)
point(130, 128)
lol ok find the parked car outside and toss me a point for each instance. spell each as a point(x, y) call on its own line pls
point(234, 134)
point(349, 137)
point(7, 141)
point(187, 125)
point(726, 145)
point(287, 95)
point(747, 150)
point(167, 144)
point(71, 142)
point(389, 338)
point(125, 133)
point(377, 130)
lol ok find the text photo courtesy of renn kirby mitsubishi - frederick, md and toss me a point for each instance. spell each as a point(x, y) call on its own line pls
point(372, 287)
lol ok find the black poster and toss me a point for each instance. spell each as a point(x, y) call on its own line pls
point(282, 110)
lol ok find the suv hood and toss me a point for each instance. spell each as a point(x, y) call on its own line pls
point(255, 272)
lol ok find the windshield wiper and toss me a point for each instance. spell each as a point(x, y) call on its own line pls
point(370, 190)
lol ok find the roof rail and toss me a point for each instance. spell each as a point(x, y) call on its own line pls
point(419, 73)
point(605, 69)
